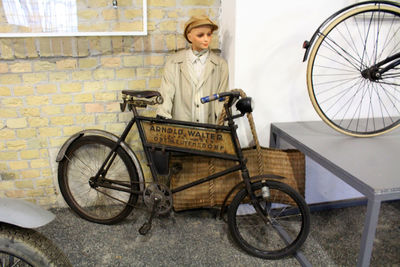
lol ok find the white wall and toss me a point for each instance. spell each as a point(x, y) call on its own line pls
point(262, 42)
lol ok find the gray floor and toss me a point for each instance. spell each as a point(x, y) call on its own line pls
point(196, 238)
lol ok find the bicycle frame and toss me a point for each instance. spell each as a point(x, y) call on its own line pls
point(158, 133)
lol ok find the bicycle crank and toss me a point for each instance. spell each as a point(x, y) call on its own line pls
point(162, 194)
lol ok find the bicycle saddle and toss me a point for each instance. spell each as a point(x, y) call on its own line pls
point(141, 94)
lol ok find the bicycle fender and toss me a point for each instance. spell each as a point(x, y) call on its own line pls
point(308, 44)
point(23, 213)
point(112, 137)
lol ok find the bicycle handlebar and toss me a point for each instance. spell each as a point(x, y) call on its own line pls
point(220, 97)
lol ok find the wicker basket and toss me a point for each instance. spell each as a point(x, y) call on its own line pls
point(287, 163)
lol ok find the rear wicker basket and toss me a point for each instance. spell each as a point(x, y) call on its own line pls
point(287, 163)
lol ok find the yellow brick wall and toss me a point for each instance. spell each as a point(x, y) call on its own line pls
point(51, 88)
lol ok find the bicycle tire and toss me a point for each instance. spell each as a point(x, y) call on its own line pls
point(286, 213)
point(26, 247)
point(341, 92)
point(96, 204)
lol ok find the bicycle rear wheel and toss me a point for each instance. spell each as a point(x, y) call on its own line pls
point(280, 230)
point(342, 66)
point(97, 203)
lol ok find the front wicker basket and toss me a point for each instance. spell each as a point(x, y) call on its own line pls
point(287, 163)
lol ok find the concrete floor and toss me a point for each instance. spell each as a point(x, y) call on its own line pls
point(196, 238)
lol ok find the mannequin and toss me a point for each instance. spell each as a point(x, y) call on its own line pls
point(193, 73)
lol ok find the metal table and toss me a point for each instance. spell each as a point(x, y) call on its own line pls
point(369, 165)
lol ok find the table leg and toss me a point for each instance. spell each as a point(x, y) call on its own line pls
point(368, 235)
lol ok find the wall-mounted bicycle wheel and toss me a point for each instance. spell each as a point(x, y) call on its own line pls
point(343, 81)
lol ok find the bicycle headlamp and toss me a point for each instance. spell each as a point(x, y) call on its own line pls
point(245, 105)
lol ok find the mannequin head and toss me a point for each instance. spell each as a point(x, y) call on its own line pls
point(198, 31)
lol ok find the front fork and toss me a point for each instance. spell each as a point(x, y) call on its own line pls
point(253, 198)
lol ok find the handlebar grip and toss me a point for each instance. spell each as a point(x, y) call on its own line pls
point(209, 98)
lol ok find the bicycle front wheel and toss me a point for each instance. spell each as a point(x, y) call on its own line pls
point(342, 78)
point(280, 229)
point(97, 202)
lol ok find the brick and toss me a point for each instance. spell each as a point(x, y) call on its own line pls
point(62, 120)
point(71, 87)
point(16, 145)
point(93, 86)
point(145, 72)
point(44, 153)
point(88, 63)
point(198, 2)
point(109, 14)
point(87, 14)
point(66, 64)
point(51, 110)
point(81, 75)
point(73, 109)
point(97, 3)
point(133, 61)
point(15, 194)
point(18, 165)
point(154, 60)
point(137, 84)
point(44, 182)
point(6, 49)
point(116, 85)
point(83, 46)
point(29, 174)
point(30, 46)
point(101, 74)
point(39, 163)
point(19, 48)
point(173, 14)
point(46, 88)
point(11, 102)
point(67, 46)
point(105, 96)
point(3, 67)
point(16, 123)
point(152, 13)
point(26, 133)
point(113, 107)
point(30, 112)
point(31, 78)
point(23, 90)
point(137, 13)
point(49, 131)
point(128, 26)
point(102, 118)
point(85, 119)
point(7, 134)
point(57, 142)
point(168, 25)
point(24, 184)
point(34, 193)
point(21, 67)
point(37, 100)
point(43, 65)
point(116, 128)
point(197, 12)
point(45, 47)
point(105, 45)
point(8, 113)
point(161, 3)
point(111, 62)
point(70, 130)
point(154, 83)
point(38, 122)
point(125, 73)
point(7, 176)
point(56, 47)
point(5, 91)
point(29, 154)
point(10, 79)
point(94, 108)
point(83, 98)
point(58, 76)
point(61, 99)
point(8, 155)
point(116, 42)
point(138, 43)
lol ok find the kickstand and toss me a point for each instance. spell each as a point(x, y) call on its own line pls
point(147, 225)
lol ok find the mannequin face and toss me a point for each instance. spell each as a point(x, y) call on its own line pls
point(200, 37)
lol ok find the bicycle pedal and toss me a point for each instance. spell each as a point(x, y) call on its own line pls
point(145, 228)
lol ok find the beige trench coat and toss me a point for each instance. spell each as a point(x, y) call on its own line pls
point(180, 92)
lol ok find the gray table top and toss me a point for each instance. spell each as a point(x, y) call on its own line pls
point(370, 164)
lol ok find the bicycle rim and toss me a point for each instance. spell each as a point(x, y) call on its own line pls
point(341, 91)
point(97, 204)
point(280, 232)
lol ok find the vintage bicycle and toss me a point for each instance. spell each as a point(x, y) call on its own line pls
point(353, 73)
point(101, 178)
